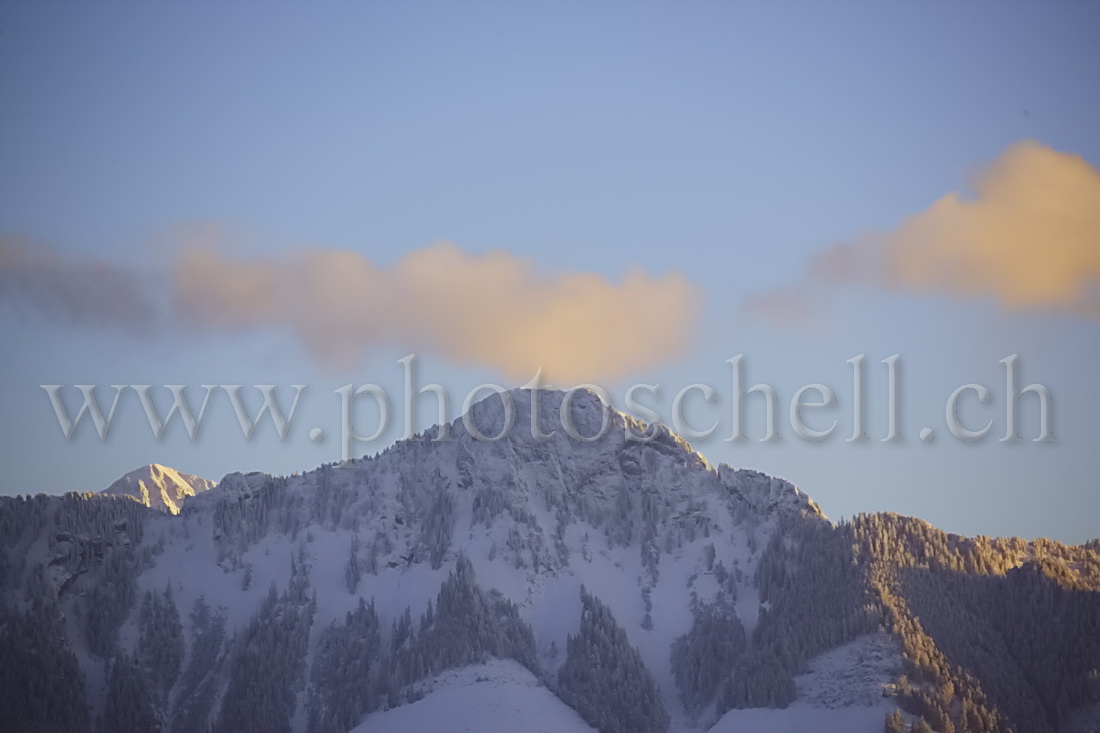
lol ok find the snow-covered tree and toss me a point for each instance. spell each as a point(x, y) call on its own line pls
point(605, 679)
point(343, 672)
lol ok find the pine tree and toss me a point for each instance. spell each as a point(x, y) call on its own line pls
point(260, 696)
point(705, 656)
point(605, 679)
point(352, 573)
point(343, 672)
point(128, 708)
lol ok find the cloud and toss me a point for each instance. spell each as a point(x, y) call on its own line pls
point(35, 278)
point(492, 310)
point(1029, 239)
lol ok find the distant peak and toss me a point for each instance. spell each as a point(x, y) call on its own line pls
point(159, 487)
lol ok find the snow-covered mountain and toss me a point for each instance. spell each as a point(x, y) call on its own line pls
point(614, 584)
point(159, 487)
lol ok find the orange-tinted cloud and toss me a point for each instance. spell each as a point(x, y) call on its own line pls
point(1029, 239)
point(492, 310)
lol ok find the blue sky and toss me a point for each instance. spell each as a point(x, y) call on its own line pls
point(730, 143)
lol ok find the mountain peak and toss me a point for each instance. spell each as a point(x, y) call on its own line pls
point(590, 420)
point(159, 487)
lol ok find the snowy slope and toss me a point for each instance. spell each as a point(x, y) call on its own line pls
point(802, 718)
point(538, 520)
point(498, 696)
point(842, 691)
point(159, 487)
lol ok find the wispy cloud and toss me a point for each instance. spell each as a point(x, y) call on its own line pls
point(35, 278)
point(1029, 239)
point(492, 310)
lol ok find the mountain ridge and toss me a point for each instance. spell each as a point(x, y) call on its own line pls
point(712, 590)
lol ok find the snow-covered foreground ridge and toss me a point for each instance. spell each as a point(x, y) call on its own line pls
point(614, 584)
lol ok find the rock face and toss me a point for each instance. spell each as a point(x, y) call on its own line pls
point(159, 487)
